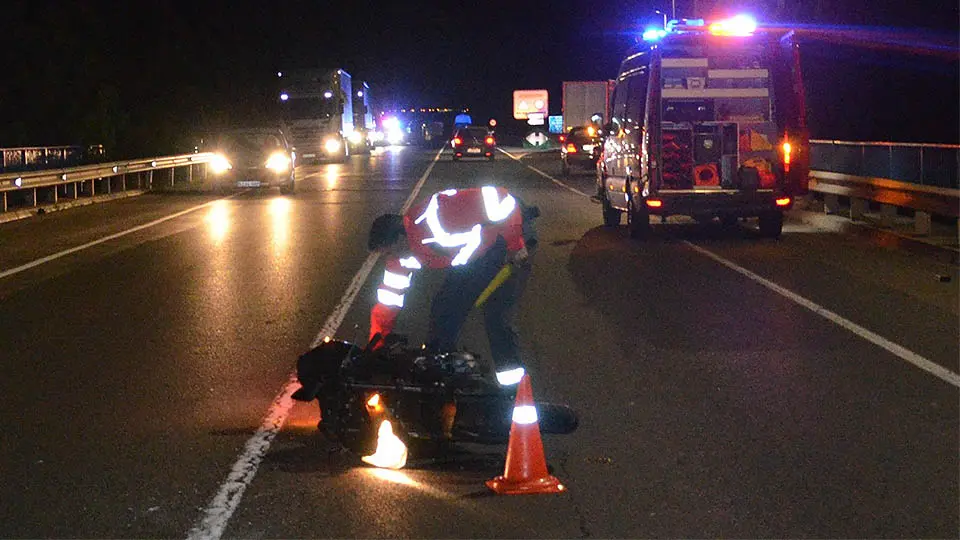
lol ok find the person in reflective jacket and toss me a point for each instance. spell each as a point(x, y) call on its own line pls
point(472, 233)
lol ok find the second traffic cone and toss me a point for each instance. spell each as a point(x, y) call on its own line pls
point(526, 468)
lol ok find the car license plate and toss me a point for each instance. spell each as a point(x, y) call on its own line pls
point(588, 148)
point(473, 150)
point(248, 183)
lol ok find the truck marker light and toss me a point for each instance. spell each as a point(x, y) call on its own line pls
point(783, 201)
point(654, 203)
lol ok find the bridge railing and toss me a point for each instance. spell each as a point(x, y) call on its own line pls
point(921, 177)
point(29, 189)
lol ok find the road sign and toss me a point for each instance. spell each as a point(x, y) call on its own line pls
point(536, 138)
point(535, 119)
point(555, 123)
point(527, 102)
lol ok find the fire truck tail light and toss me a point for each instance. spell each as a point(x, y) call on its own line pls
point(787, 151)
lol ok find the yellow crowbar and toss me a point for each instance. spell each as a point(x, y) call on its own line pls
point(495, 283)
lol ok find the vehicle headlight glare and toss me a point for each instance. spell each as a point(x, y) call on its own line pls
point(355, 137)
point(278, 162)
point(220, 164)
point(332, 146)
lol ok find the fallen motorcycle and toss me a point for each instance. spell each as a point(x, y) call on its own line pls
point(398, 395)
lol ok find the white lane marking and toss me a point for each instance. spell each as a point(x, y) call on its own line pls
point(547, 176)
point(882, 342)
point(215, 517)
point(876, 339)
point(55, 256)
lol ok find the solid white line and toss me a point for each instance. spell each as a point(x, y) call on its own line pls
point(880, 341)
point(55, 256)
point(214, 519)
point(545, 175)
point(900, 351)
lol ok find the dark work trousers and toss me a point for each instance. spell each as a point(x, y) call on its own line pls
point(461, 287)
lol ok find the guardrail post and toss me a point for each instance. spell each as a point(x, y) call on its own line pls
point(173, 176)
point(921, 223)
point(33, 192)
point(831, 203)
point(150, 180)
point(888, 214)
point(190, 173)
point(4, 201)
point(858, 207)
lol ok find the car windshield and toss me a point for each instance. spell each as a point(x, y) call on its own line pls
point(477, 134)
point(580, 134)
point(246, 142)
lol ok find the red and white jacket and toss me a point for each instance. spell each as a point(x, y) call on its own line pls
point(451, 228)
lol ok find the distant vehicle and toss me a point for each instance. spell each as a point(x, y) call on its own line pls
point(707, 121)
point(580, 148)
point(473, 142)
point(585, 103)
point(251, 157)
point(317, 110)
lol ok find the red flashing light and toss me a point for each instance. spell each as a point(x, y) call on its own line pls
point(489, 141)
point(571, 148)
point(457, 141)
point(562, 138)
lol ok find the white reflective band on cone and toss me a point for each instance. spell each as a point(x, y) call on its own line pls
point(525, 414)
point(510, 377)
point(389, 298)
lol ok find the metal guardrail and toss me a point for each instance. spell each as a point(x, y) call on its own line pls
point(29, 158)
point(936, 165)
point(921, 177)
point(31, 188)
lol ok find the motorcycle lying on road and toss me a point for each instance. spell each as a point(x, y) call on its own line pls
point(411, 397)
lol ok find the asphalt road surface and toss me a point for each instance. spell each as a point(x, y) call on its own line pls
point(727, 385)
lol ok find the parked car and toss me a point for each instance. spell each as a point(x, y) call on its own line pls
point(473, 142)
point(251, 157)
point(580, 148)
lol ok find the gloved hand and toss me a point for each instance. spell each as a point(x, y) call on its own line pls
point(521, 256)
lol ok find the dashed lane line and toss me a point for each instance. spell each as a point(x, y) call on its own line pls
point(216, 516)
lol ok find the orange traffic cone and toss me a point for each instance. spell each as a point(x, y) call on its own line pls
point(526, 469)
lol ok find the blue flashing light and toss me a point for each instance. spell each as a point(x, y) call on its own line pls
point(653, 34)
point(284, 96)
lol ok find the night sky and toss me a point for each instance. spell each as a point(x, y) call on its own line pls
point(137, 76)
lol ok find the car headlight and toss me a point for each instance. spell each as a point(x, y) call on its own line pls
point(220, 164)
point(278, 162)
point(355, 137)
point(332, 146)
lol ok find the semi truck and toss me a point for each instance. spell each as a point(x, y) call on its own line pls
point(364, 121)
point(585, 103)
point(317, 112)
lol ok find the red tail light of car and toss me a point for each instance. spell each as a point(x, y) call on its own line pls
point(457, 141)
point(490, 141)
point(571, 148)
point(562, 138)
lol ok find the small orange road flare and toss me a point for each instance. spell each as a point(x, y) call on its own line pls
point(526, 468)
